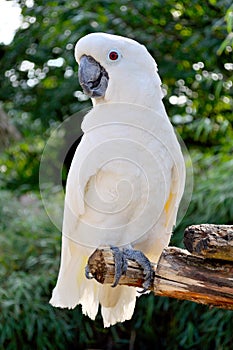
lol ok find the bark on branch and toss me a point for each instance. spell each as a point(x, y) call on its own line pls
point(178, 274)
point(210, 241)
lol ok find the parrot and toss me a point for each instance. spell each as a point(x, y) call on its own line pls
point(126, 179)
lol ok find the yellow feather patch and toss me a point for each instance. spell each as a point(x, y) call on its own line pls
point(81, 271)
point(167, 206)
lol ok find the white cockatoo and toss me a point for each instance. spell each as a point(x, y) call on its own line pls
point(126, 179)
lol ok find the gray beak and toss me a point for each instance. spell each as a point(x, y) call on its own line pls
point(93, 78)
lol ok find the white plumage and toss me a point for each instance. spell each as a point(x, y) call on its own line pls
point(126, 179)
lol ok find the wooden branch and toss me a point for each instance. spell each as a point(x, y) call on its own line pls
point(178, 274)
point(184, 276)
point(210, 241)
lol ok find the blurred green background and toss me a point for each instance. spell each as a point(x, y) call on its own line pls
point(192, 43)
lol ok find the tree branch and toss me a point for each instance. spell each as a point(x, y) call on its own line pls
point(178, 274)
point(210, 241)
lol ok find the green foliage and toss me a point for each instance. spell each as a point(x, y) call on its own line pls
point(192, 44)
point(209, 200)
point(188, 325)
point(29, 255)
point(24, 176)
point(212, 199)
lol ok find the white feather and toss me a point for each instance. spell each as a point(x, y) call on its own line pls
point(125, 182)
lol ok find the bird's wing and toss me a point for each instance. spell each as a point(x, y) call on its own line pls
point(140, 149)
point(134, 163)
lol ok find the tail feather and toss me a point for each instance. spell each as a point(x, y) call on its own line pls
point(72, 288)
point(117, 304)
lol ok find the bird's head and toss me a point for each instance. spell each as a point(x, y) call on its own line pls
point(116, 69)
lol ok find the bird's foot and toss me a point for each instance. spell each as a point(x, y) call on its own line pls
point(121, 264)
point(121, 258)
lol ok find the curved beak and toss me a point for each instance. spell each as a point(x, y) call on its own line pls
point(93, 78)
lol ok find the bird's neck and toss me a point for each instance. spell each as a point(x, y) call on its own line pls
point(148, 94)
point(151, 103)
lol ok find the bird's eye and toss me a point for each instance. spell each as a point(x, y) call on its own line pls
point(113, 55)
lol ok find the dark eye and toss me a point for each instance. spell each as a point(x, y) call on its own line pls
point(113, 55)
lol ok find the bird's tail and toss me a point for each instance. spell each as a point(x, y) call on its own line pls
point(73, 288)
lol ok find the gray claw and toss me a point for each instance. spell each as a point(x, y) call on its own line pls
point(120, 264)
point(121, 257)
point(144, 262)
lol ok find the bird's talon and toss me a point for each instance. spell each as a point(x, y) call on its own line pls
point(121, 258)
point(120, 264)
point(143, 261)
